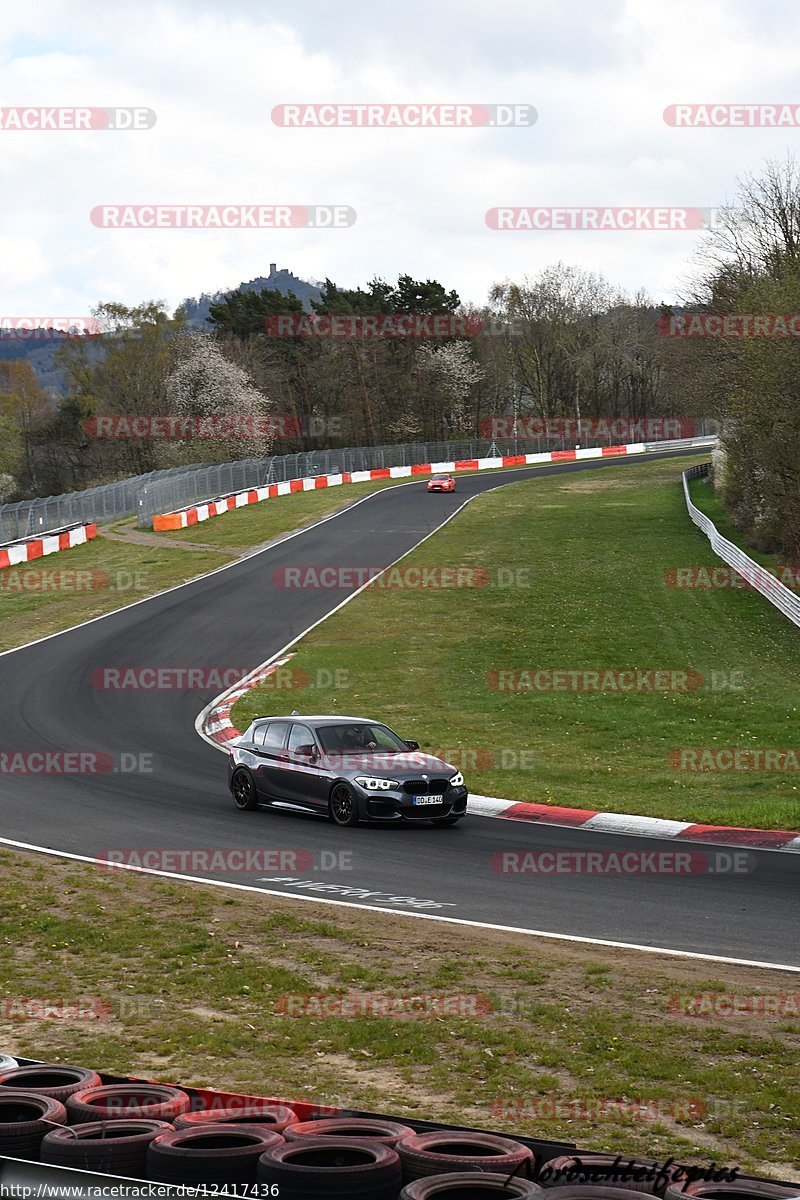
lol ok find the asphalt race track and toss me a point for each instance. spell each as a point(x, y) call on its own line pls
point(237, 617)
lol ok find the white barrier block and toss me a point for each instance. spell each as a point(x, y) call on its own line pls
point(489, 464)
point(360, 477)
point(592, 452)
point(399, 472)
point(539, 458)
point(284, 488)
point(334, 480)
point(437, 468)
point(17, 554)
point(50, 545)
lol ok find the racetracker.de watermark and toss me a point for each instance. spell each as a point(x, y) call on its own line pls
point(734, 758)
point(403, 116)
point(44, 119)
point(217, 678)
point(730, 325)
point(444, 578)
point(621, 681)
point(374, 325)
point(383, 1005)
point(733, 116)
point(75, 762)
point(42, 328)
point(163, 426)
point(602, 1108)
point(218, 860)
point(734, 1004)
point(76, 1008)
point(624, 862)
point(223, 216)
point(619, 430)
point(753, 576)
point(67, 580)
point(630, 219)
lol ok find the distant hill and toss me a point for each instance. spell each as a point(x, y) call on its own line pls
point(283, 281)
point(40, 353)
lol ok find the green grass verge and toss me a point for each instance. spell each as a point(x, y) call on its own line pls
point(599, 546)
point(187, 984)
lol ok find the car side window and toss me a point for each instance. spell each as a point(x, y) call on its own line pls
point(276, 735)
point(301, 735)
point(258, 735)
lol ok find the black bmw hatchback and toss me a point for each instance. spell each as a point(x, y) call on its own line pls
point(348, 768)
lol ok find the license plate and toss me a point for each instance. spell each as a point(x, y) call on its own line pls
point(426, 800)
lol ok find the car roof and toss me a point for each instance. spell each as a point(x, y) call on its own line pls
point(324, 719)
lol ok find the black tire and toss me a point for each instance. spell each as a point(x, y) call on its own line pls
point(243, 791)
point(276, 1117)
point(108, 1147)
point(469, 1183)
point(325, 1168)
point(54, 1081)
point(126, 1102)
point(446, 822)
point(343, 805)
point(591, 1191)
point(707, 1190)
point(209, 1153)
point(444, 1150)
point(388, 1133)
point(25, 1118)
point(573, 1170)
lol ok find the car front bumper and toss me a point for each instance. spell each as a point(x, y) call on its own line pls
point(399, 806)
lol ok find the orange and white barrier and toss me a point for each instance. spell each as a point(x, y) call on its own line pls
point(49, 543)
point(214, 508)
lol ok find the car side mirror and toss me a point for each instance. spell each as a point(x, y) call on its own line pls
point(307, 751)
point(413, 745)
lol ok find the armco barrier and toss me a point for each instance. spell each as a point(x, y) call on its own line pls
point(785, 600)
point(195, 513)
point(13, 553)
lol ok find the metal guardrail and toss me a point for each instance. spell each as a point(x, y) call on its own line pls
point(784, 599)
point(176, 487)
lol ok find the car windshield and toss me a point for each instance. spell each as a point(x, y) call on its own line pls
point(360, 739)
point(440, 478)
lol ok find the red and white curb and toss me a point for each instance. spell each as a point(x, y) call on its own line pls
point(655, 827)
point(215, 725)
point(21, 552)
point(182, 518)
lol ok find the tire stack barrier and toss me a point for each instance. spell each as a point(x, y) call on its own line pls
point(148, 1132)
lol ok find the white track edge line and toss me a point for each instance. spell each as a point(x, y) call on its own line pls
point(559, 937)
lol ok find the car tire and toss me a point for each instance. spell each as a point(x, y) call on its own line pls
point(349, 1168)
point(440, 1151)
point(127, 1101)
point(209, 1153)
point(243, 791)
point(554, 1173)
point(388, 1133)
point(108, 1147)
point(25, 1117)
point(758, 1189)
point(343, 805)
point(57, 1082)
point(459, 1183)
point(276, 1117)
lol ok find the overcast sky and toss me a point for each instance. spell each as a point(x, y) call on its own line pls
point(599, 73)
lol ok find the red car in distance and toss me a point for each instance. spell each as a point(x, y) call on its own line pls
point(441, 483)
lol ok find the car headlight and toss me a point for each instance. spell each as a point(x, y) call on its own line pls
point(373, 784)
point(457, 780)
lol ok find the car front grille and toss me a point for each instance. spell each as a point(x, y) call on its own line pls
point(425, 787)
